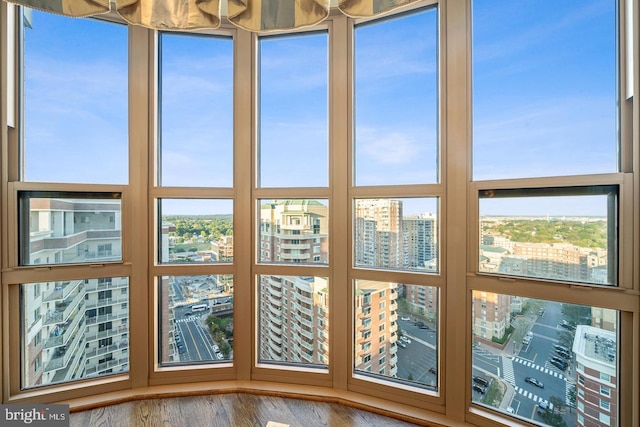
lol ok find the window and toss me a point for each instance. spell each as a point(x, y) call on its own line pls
point(70, 336)
point(540, 362)
point(307, 305)
point(396, 234)
point(196, 319)
point(465, 178)
point(293, 240)
point(84, 138)
point(396, 100)
point(567, 234)
point(195, 231)
point(558, 124)
point(42, 236)
point(196, 104)
point(605, 404)
point(293, 98)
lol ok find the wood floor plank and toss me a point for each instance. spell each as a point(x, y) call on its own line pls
point(230, 410)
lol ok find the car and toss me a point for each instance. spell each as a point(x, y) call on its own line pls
point(219, 355)
point(423, 327)
point(405, 340)
point(526, 340)
point(187, 313)
point(405, 318)
point(543, 407)
point(562, 365)
point(419, 323)
point(216, 348)
point(481, 380)
point(541, 312)
point(478, 388)
point(177, 338)
point(401, 344)
point(567, 325)
point(534, 381)
point(562, 354)
point(561, 348)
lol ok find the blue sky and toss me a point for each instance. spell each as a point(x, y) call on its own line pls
point(543, 91)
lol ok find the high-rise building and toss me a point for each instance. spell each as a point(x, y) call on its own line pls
point(294, 231)
point(75, 328)
point(378, 233)
point(597, 382)
point(376, 327)
point(491, 316)
point(421, 236)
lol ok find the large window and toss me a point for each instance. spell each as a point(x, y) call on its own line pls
point(542, 350)
point(433, 209)
point(196, 84)
point(74, 329)
point(544, 88)
point(75, 100)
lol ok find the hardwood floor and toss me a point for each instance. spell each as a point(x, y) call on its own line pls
point(224, 410)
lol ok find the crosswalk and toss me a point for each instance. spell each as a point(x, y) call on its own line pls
point(507, 370)
point(545, 369)
point(187, 319)
point(532, 396)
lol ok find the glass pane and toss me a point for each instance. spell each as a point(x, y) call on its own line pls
point(293, 320)
point(569, 238)
point(544, 88)
point(196, 110)
point(75, 100)
point(294, 231)
point(397, 234)
point(541, 361)
point(67, 228)
point(396, 332)
point(293, 111)
point(195, 231)
point(196, 318)
point(74, 329)
point(396, 100)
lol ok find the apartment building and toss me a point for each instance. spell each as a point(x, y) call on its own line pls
point(74, 328)
point(597, 382)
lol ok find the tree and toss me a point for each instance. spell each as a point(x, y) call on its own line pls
point(572, 397)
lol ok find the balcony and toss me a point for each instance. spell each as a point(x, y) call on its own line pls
point(62, 356)
point(296, 246)
point(286, 256)
point(96, 369)
point(115, 283)
point(62, 334)
point(106, 318)
point(307, 345)
point(100, 351)
point(306, 334)
point(62, 291)
point(95, 303)
point(274, 291)
point(114, 332)
point(63, 310)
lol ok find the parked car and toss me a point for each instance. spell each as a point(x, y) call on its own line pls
point(564, 354)
point(543, 407)
point(534, 381)
point(478, 388)
point(481, 380)
point(560, 347)
point(401, 344)
point(405, 318)
point(560, 364)
point(405, 340)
